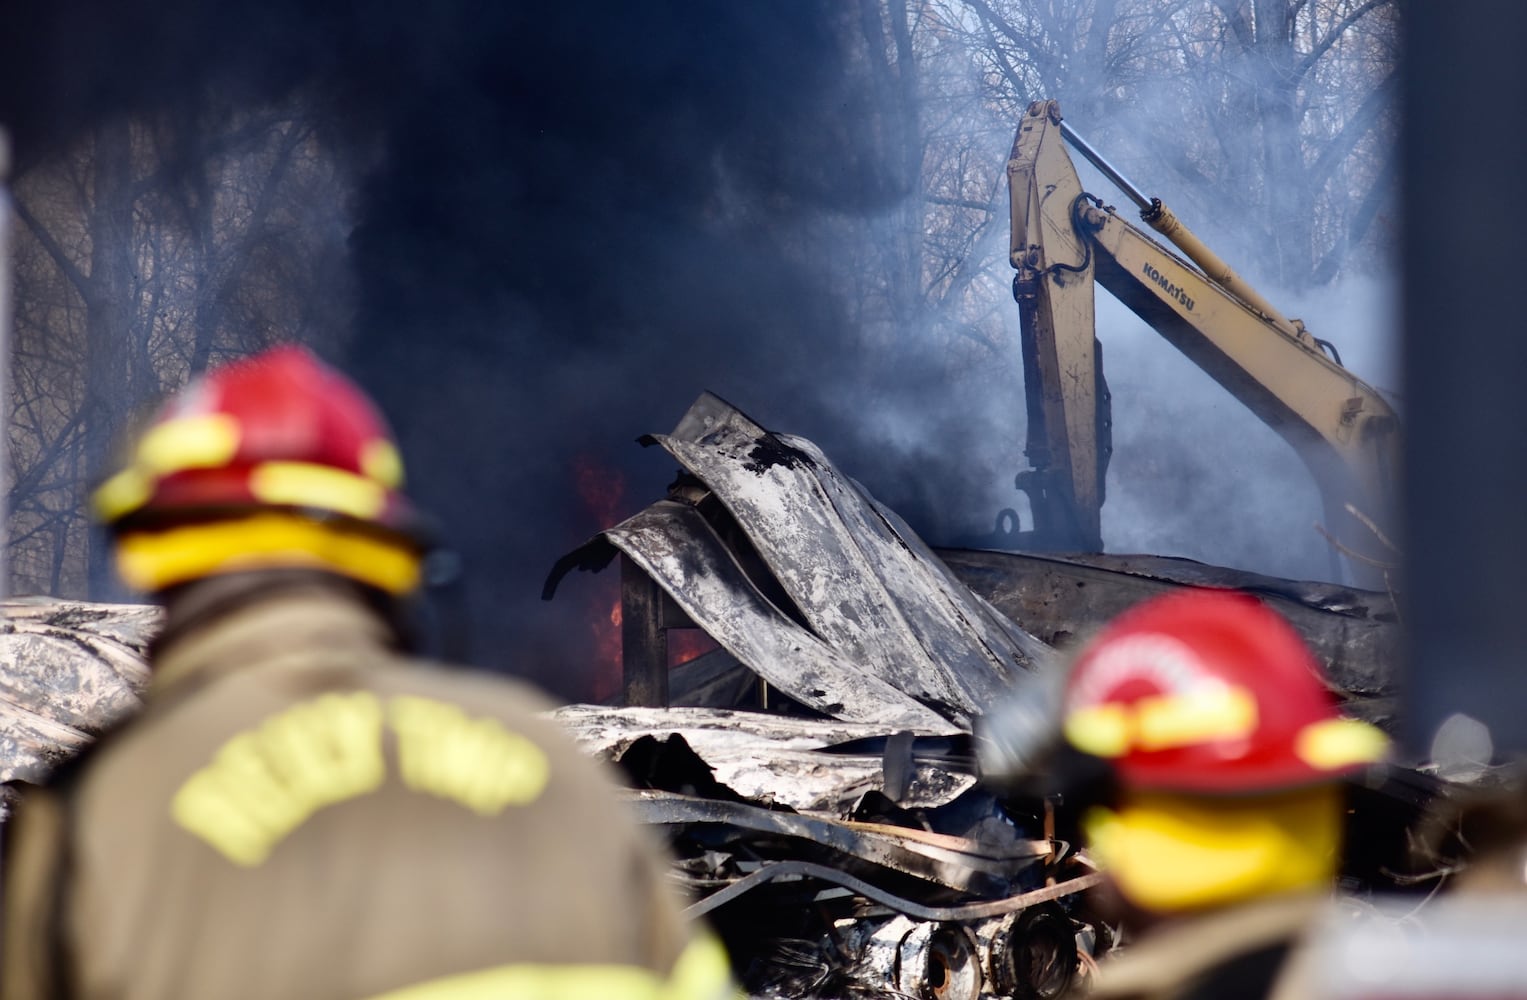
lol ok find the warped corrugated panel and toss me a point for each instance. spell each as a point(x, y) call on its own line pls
point(68, 670)
point(874, 598)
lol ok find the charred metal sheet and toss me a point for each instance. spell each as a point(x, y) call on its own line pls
point(673, 543)
point(952, 862)
point(864, 582)
point(1355, 633)
point(965, 911)
point(68, 670)
point(764, 758)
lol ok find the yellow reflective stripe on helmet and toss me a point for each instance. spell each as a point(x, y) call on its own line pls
point(1162, 722)
point(206, 440)
point(381, 461)
point(1197, 716)
point(1101, 730)
point(155, 560)
point(121, 495)
point(701, 973)
point(303, 484)
point(1338, 743)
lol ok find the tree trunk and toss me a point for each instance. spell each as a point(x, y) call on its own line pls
point(109, 361)
point(1286, 202)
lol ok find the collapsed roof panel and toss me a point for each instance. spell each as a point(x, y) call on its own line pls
point(765, 758)
point(865, 584)
point(679, 549)
point(68, 670)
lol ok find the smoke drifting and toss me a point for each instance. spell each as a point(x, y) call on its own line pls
point(1195, 473)
point(571, 219)
point(578, 222)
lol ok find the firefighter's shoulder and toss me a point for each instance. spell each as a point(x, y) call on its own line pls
point(1232, 952)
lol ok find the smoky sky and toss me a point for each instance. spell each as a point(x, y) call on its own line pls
point(571, 219)
point(576, 227)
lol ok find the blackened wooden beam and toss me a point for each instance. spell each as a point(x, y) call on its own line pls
point(643, 640)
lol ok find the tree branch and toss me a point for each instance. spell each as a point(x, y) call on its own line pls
point(1362, 220)
point(1334, 34)
point(79, 279)
point(1342, 143)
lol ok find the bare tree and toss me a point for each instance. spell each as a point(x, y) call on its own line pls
point(1267, 123)
point(1278, 113)
point(155, 247)
point(140, 260)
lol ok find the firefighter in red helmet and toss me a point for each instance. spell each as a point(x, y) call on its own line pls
point(1227, 750)
point(301, 810)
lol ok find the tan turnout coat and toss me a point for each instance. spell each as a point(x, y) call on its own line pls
point(301, 812)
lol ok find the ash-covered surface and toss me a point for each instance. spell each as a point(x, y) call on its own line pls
point(765, 758)
point(677, 547)
point(837, 860)
point(68, 670)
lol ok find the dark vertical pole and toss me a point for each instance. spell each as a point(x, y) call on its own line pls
point(643, 641)
point(5, 350)
point(1465, 358)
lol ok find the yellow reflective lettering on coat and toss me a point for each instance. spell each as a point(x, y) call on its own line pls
point(474, 761)
point(702, 972)
point(264, 783)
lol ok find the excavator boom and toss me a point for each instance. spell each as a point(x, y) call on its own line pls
point(1064, 240)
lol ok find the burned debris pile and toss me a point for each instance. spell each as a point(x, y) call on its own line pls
point(816, 775)
point(839, 860)
point(68, 670)
point(798, 573)
point(840, 842)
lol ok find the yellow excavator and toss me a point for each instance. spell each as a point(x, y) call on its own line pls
point(1065, 239)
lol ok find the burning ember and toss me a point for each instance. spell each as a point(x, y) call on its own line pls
point(684, 644)
point(601, 492)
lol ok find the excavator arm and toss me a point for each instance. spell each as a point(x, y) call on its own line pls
point(1063, 241)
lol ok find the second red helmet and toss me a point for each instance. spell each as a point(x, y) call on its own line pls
point(1209, 691)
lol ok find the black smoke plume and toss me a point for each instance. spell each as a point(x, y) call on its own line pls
point(571, 219)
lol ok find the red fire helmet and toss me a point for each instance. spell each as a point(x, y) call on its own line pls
point(276, 459)
point(1209, 691)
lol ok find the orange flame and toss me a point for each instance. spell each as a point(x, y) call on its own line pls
point(685, 644)
point(601, 492)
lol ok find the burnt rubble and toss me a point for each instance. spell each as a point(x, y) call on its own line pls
point(798, 573)
point(817, 776)
point(68, 670)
